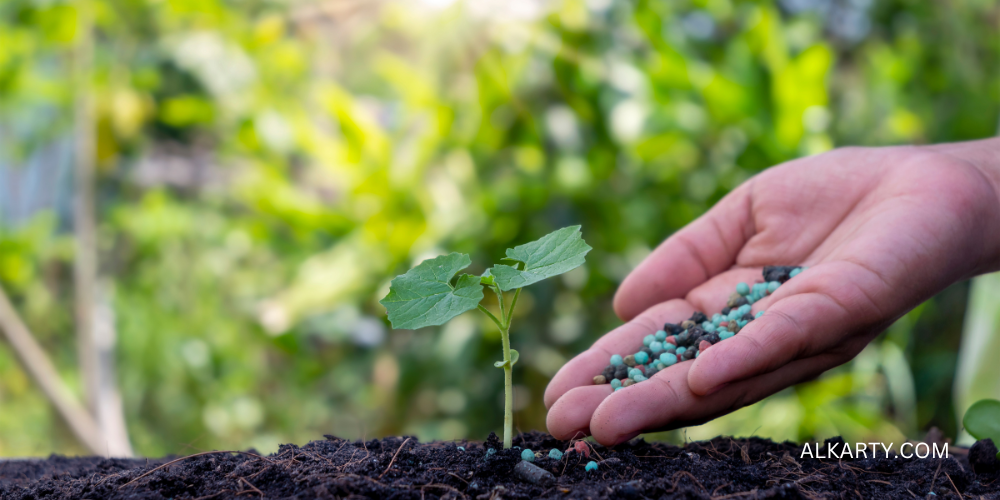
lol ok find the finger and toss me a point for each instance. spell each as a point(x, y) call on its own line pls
point(625, 339)
point(980, 152)
point(665, 402)
point(811, 313)
point(697, 252)
point(569, 417)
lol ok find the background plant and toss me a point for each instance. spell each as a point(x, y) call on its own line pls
point(264, 168)
point(982, 420)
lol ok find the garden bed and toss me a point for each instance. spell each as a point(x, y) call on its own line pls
point(402, 468)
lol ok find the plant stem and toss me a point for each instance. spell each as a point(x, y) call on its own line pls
point(508, 378)
point(508, 388)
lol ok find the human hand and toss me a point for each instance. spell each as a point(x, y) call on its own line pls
point(881, 229)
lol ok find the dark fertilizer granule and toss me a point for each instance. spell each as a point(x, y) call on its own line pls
point(402, 468)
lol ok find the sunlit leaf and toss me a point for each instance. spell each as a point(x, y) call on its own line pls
point(553, 254)
point(424, 296)
point(486, 278)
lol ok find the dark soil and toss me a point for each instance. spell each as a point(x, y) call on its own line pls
point(402, 468)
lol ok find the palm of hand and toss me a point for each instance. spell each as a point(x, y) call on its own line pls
point(881, 229)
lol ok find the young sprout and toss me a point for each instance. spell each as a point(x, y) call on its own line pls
point(429, 294)
point(982, 420)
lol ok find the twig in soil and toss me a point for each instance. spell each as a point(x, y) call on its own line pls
point(934, 481)
point(911, 493)
point(745, 454)
point(688, 474)
point(267, 468)
point(109, 476)
point(349, 460)
point(255, 474)
point(578, 460)
point(716, 451)
point(435, 485)
point(445, 486)
point(866, 471)
point(458, 477)
point(338, 449)
point(878, 481)
point(595, 451)
point(716, 490)
point(213, 495)
point(254, 488)
point(812, 495)
point(192, 456)
point(394, 458)
point(546, 492)
point(787, 458)
point(659, 447)
point(850, 469)
point(960, 495)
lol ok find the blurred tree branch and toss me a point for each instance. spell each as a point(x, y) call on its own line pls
point(41, 369)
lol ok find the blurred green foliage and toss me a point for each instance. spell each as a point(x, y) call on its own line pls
point(266, 167)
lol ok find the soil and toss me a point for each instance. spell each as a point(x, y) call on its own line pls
point(403, 468)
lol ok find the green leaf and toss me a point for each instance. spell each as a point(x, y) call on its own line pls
point(514, 355)
point(982, 420)
point(486, 278)
point(551, 255)
point(424, 295)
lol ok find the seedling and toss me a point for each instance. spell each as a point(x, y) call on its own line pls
point(430, 294)
point(982, 420)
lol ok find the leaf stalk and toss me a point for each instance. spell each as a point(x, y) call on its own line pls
point(492, 317)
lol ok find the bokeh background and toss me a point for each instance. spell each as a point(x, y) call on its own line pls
point(261, 169)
